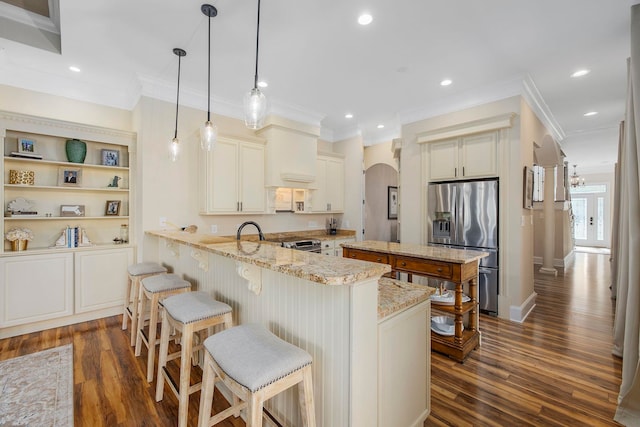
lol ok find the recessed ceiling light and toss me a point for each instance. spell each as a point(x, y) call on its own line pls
point(590, 113)
point(74, 69)
point(380, 126)
point(262, 84)
point(348, 116)
point(446, 82)
point(365, 19)
point(581, 73)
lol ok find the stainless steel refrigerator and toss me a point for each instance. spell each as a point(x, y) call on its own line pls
point(464, 215)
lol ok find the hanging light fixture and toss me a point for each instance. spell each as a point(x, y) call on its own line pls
point(255, 103)
point(575, 178)
point(174, 148)
point(208, 131)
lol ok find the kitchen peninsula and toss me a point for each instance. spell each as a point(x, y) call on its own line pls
point(453, 265)
point(328, 306)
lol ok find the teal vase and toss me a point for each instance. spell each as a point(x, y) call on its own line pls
point(76, 150)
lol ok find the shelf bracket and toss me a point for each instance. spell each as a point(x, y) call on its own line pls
point(253, 274)
point(173, 248)
point(202, 258)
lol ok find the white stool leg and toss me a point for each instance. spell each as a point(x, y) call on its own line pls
point(162, 355)
point(127, 302)
point(135, 310)
point(305, 395)
point(185, 374)
point(206, 393)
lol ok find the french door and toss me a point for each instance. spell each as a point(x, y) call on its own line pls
point(591, 222)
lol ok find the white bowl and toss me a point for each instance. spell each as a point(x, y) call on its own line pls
point(443, 324)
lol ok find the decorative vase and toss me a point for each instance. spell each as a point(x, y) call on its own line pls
point(19, 245)
point(76, 150)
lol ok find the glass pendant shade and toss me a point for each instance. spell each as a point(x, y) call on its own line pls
point(208, 135)
point(174, 149)
point(255, 108)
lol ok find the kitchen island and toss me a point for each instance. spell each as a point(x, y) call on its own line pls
point(453, 265)
point(329, 307)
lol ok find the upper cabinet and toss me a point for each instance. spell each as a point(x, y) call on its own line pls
point(231, 178)
point(466, 157)
point(329, 193)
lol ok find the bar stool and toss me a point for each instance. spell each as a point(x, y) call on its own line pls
point(155, 289)
point(137, 272)
point(255, 365)
point(189, 313)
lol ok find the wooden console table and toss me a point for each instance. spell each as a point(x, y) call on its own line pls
point(453, 265)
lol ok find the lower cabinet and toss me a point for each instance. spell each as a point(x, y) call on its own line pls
point(51, 289)
point(332, 247)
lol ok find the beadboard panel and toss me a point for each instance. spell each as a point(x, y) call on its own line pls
point(309, 315)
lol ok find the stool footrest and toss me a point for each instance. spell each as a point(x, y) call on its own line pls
point(227, 413)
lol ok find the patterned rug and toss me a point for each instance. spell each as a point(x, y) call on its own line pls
point(37, 389)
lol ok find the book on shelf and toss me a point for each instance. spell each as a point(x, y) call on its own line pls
point(26, 155)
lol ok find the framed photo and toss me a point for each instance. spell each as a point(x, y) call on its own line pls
point(111, 157)
point(72, 210)
point(392, 202)
point(112, 208)
point(26, 145)
point(527, 196)
point(70, 177)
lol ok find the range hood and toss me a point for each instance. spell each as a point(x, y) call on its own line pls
point(291, 153)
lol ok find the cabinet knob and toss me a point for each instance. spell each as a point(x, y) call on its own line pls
point(404, 264)
point(439, 270)
point(379, 260)
point(353, 255)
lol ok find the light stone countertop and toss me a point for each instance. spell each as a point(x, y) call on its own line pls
point(323, 269)
point(395, 296)
point(458, 256)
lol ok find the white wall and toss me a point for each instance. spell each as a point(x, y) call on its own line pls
point(353, 151)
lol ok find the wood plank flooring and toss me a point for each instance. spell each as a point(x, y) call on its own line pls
point(555, 369)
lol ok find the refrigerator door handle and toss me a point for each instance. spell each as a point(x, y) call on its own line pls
point(483, 270)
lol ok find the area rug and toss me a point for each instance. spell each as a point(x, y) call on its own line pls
point(37, 389)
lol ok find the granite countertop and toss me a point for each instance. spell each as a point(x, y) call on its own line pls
point(323, 269)
point(458, 256)
point(295, 235)
point(396, 295)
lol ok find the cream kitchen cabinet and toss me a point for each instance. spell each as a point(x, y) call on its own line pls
point(232, 178)
point(467, 157)
point(35, 288)
point(329, 193)
point(332, 247)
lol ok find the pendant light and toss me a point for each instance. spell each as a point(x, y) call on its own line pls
point(255, 103)
point(576, 181)
point(208, 131)
point(174, 148)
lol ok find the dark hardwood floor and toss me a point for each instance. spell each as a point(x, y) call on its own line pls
point(555, 369)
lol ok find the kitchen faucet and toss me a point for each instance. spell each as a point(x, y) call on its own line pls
point(247, 223)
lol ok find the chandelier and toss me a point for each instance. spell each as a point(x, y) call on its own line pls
point(575, 179)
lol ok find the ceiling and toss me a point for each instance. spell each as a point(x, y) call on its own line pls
point(321, 64)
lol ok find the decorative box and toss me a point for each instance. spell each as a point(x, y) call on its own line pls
point(21, 177)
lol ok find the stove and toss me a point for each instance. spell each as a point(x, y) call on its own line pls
point(308, 245)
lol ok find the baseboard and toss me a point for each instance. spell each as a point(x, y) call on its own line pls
point(520, 313)
point(557, 262)
point(28, 328)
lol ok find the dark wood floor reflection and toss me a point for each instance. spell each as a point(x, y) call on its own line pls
point(554, 369)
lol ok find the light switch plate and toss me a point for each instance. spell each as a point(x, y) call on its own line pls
point(214, 228)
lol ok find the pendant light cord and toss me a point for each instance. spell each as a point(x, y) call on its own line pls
point(255, 81)
point(209, 76)
point(175, 135)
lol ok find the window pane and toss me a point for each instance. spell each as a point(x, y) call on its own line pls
point(579, 207)
point(600, 219)
point(596, 188)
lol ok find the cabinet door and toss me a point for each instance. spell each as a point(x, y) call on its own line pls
point(478, 156)
point(252, 188)
point(338, 248)
point(443, 160)
point(328, 247)
point(222, 175)
point(101, 278)
point(335, 184)
point(319, 201)
point(35, 288)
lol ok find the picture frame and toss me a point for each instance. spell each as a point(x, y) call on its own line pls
point(26, 146)
point(112, 208)
point(110, 157)
point(70, 176)
point(71, 210)
point(392, 202)
point(527, 190)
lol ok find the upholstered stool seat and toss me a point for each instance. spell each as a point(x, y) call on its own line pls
point(136, 272)
point(255, 365)
point(188, 313)
point(155, 289)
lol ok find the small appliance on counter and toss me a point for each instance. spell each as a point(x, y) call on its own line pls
point(332, 226)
